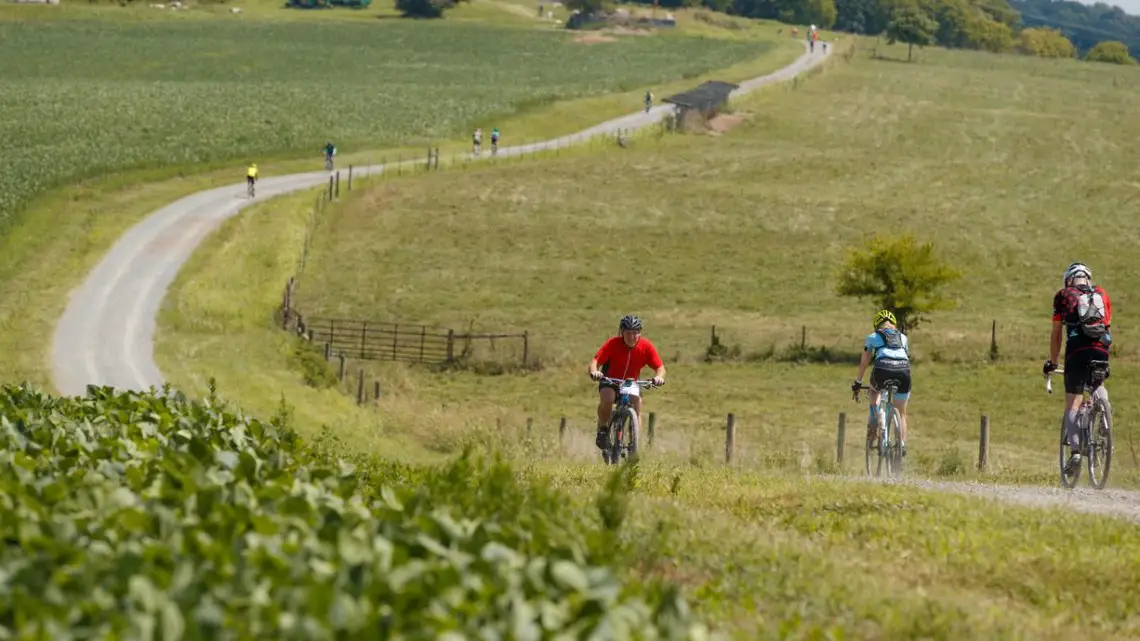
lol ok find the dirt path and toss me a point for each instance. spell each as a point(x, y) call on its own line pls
point(1123, 504)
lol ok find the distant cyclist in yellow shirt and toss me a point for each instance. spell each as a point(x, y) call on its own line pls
point(250, 178)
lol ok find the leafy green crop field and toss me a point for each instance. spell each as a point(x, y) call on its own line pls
point(136, 516)
point(84, 98)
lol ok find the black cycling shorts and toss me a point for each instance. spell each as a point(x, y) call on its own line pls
point(888, 369)
point(1077, 370)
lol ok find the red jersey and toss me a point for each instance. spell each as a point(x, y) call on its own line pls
point(1065, 310)
point(615, 360)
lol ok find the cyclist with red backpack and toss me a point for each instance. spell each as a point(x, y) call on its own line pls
point(1083, 312)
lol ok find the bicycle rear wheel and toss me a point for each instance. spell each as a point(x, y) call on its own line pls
point(1100, 444)
point(1068, 480)
point(894, 451)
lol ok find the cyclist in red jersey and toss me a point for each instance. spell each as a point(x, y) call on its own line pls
point(623, 357)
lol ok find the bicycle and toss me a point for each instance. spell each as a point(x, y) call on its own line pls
point(249, 187)
point(889, 448)
point(1094, 410)
point(328, 163)
point(624, 421)
point(494, 147)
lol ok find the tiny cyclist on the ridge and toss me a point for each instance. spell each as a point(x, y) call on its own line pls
point(1083, 313)
point(329, 151)
point(890, 350)
point(623, 357)
point(251, 173)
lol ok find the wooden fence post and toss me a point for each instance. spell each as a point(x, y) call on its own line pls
point(841, 438)
point(423, 338)
point(993, 341)
point(350, 177)
point(526, 346)
point(652, 426)
point(363, 337)
point(428, 160)
point(376, 394)
point(437, 158)
point(338, 184)
point(729, 437)
point(330, 188)
point(562, 430)
point(360, 387)
point(340, 376)
point(803, 337)
point(984, 444)
point(328, 352)
point(450, 345)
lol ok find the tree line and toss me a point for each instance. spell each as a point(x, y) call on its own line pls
point(1050, 28)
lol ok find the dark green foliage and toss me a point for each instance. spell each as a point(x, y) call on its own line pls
point(125, 513)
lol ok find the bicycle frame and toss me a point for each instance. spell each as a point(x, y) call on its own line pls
point(623, 445)
point(1088, 447)
point(886, 407)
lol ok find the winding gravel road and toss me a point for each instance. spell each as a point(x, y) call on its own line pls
point(106, 334)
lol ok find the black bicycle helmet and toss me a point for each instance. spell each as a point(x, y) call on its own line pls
point(629, 322)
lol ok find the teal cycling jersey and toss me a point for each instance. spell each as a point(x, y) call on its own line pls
point(878, 346)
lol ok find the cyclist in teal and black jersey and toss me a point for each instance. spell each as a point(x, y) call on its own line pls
point(889, 350)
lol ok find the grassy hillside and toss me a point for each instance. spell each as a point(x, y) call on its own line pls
point(240, 90)
point(994, 158)
point(766, 548)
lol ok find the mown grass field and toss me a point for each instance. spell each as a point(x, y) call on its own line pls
point(768, 548)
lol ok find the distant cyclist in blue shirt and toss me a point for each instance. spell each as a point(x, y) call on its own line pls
point(889, 349)
point(330, 153)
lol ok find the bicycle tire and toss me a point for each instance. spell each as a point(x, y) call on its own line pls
point(881, 428)
point(633, 436)
point(1100, 443)
point(614, 449)
point(870, 447)
point(895, 451)
point(1063, 457)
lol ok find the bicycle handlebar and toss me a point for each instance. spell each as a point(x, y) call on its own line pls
point(1049, 379)
point(620, 381)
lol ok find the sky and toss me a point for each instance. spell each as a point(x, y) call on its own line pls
point(1130, 6)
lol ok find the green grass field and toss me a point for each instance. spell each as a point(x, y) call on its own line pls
point(991, 157)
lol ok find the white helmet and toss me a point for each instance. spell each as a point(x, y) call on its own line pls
point(1076, 270)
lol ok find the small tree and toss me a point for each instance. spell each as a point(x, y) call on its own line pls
point(1045, 43)
point(1110, 51)
point(913, 26)
point(899, 274)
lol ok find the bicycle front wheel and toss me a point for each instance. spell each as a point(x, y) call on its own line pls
point(1100, 444)
point(619, 428)
point(1068, 479)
